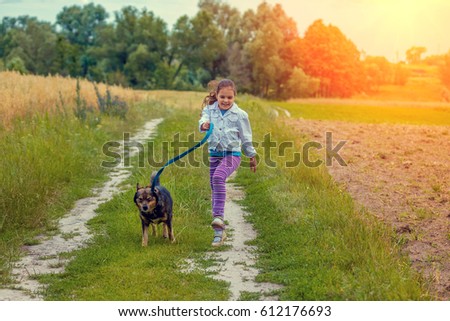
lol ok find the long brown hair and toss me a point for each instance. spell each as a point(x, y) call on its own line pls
point(214, 87)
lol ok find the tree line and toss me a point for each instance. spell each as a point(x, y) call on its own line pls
point(261, 50)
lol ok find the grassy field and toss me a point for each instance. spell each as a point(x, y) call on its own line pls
point(418, 102)
point(369, 112)
point(23, 96)
point(312, 239)
point(50, 158)
point(152, 273)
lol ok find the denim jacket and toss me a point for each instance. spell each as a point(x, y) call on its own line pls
point(231, 132)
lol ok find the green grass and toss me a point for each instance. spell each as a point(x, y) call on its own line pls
point(366, 113)
point(48, 162)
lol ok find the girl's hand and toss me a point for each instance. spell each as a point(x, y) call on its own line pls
point(205, 126)
point(253, 164)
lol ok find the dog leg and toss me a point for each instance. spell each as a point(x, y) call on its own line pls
point(165, 231)
point(144, 234)
point(171, 236)
point(153, 229)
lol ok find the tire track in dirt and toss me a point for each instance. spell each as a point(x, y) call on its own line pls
point(236, 264)
point(44, 258)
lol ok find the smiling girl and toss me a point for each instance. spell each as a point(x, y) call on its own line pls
point(232, 136)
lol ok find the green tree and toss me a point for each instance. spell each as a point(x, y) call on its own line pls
point(197, 43)
point(238, 67)
point(237, 31)
point(16, 64)
point(67, 59)
point(79, 25)
point(34, 43)
point(300, 85)
point(267, 65)
point(270, 49)
point(108, 67)
point(140, 67)
point(226, 18)
point(126, 27)
point(131, 51)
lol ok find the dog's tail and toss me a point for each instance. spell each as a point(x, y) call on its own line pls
point(153, 177)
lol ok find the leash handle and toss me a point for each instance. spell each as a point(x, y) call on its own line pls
point(208, 133)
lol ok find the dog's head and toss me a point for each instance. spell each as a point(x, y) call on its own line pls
point(145, 200)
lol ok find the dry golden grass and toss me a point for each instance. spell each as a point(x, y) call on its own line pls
point(22, 95)
point(181, 99)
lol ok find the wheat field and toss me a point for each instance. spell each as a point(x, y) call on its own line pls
point(23, 95)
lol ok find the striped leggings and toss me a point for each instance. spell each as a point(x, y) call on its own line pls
point(220, 169)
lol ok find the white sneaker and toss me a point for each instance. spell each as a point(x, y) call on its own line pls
point(218, 223)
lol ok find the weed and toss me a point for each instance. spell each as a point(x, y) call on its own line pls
point(31, 241)
point(111, 106)
point(423, 213)
point(86, 114)
point(437, 188)
point(57, 265)
point(48, 257)
point(403, 216)
point(68, 236)
point(249, 296)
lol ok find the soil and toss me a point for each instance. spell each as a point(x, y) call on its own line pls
point(401, 174)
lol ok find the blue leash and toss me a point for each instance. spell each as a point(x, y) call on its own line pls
point(208, 133)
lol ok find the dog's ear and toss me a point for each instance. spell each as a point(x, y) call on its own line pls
point(138, 186)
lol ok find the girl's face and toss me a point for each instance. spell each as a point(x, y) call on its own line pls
point(225, 98)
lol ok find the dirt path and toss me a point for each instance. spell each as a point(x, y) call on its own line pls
point(236, 264)
point(401, 173)
point(44, 258)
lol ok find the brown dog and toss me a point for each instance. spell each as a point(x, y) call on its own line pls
point(154, 208)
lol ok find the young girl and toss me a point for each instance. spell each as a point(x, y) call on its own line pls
point(231, 133)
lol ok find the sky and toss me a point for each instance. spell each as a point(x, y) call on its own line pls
point(377, 27)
